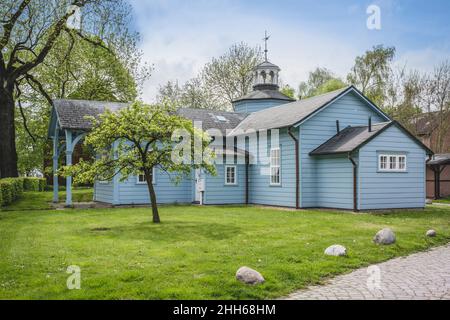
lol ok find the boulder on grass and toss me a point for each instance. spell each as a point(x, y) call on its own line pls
point(431, 233)
point(249, 276)
point(336, 250)
point(385, 236)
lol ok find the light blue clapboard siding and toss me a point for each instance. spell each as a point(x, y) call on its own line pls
point(217, 192)
point(103, 192)
point(334, 187)
point(350, 110)
point(386, 190)
point(167, 191)
point(260, 190)
point(250, 106)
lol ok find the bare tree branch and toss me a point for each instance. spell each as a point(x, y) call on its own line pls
point(9, 25)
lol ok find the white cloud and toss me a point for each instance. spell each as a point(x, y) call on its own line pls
point(422, 60)
point(179, 37)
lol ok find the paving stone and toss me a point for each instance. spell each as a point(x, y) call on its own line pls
point(424, 275)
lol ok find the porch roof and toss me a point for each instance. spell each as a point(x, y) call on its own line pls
point(440, 160)
point(72, 114)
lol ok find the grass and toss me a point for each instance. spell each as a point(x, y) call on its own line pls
point(42, 200)
point(195, 252)
point(443, 200)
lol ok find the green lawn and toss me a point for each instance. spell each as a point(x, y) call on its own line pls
point(443, 200)
point(195, 252)
point(43, 200)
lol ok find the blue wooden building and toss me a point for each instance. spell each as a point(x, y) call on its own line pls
point(336, 150)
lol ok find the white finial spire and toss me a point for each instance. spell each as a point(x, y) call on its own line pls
point(266, 38)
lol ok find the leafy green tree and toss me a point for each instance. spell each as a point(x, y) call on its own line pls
point(330, 85)
point(320, 81)
point(371, 73)
point(288, 90)
point(140, 138)
point(75, 69)
point(29, 31)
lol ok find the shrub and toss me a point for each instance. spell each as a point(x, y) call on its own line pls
point(16, 187)
point(34, 184)
point(12, 188)
point(42, 184)
point(8, 191)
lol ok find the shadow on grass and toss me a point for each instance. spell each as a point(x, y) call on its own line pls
point(168, 231)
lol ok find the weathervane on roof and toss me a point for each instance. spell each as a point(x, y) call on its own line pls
point(266, 38)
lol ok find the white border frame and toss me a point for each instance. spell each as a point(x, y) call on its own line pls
point(145, 182)
point(270, 167)
point(235, 176)
point(389, 155)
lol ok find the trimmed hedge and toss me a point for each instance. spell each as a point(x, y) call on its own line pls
point(12, 188)
point(34, 184)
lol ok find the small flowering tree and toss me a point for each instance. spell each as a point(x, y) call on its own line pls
point(137, 139)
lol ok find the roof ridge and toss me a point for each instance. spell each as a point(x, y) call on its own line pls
point(331, 93)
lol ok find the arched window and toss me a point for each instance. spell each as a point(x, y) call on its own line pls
point(272, 77)
point(264, 76)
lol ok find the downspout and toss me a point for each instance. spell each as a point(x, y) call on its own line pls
point(355, 183)
point(247, 163)
point(297, 169)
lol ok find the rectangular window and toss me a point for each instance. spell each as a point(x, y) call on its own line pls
point(275, 167)
point(392, 163)
point(230, 175)
point(402, 163)
point(141, 178)
point(383, 162)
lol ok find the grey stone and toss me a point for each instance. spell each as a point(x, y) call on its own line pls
point(249, 276)
point(336, 250)
point(385, 236)
point(431, 233)
point(429, 201)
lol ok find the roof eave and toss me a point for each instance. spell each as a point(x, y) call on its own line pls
point(343, 93)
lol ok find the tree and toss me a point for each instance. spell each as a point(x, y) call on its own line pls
point(231, 75)
point(403, 96)
point(320, 81)
point(193, 94)
point(331, 85)
point(29, 31)
point(140, 138)
point(288, 91)
point(221, 81)
point(437, 99)
point(89, 73)
point(371, 72)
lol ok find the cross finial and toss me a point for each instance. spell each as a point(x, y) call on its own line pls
point(266, 38)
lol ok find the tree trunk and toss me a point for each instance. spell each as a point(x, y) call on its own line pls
point(8, 154)
point(151, 191)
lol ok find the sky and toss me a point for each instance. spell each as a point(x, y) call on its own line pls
point(179, 36)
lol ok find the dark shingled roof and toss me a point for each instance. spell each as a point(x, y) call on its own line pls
point(352, 138)
point(209, 118)
point(72, 113)
point(425, 123)
point(349, 139)
point(265, 94)
point(287, 114)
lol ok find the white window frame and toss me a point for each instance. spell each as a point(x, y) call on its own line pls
point(275, 166)
point(235, 176)
point(392, 162)
point(138, 180)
